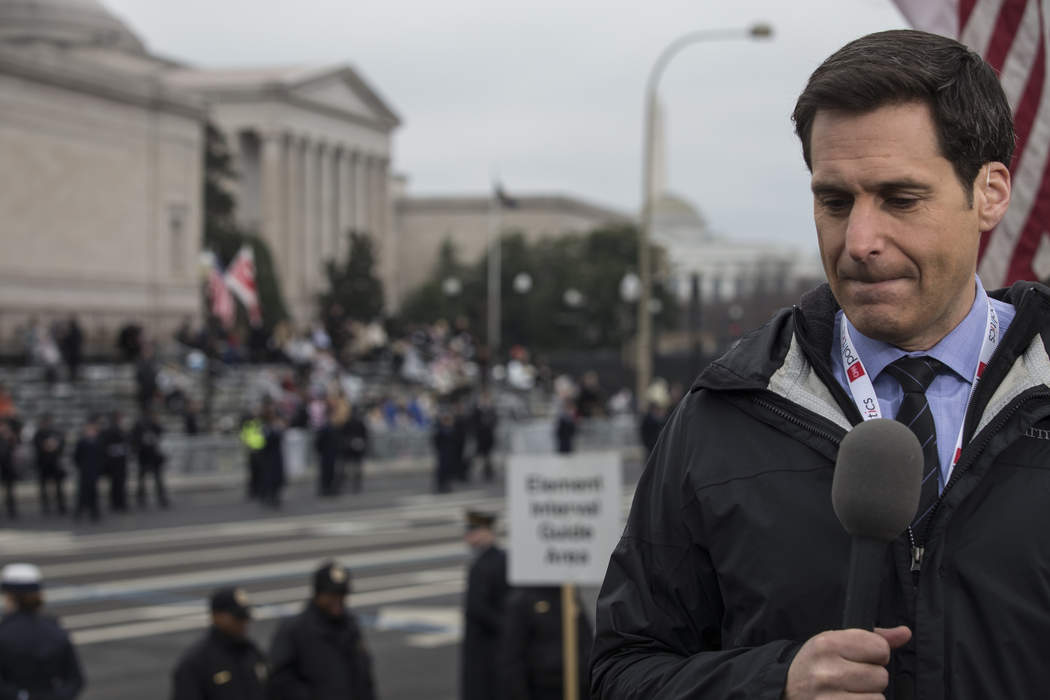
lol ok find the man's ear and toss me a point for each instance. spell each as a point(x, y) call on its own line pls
point(991, 195)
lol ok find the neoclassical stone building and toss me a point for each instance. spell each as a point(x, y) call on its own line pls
point(101, 170)
point(312, 147)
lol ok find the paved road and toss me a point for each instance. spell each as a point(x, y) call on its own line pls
point(132, 589)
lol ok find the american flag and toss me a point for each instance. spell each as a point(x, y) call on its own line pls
point(219, 294)
point(1012, 35)
point(240, 279)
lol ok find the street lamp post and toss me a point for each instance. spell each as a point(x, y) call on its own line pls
point(645, 328)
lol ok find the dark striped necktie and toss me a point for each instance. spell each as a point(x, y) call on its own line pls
point(915, 375)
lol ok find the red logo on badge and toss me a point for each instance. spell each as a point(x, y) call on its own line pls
point(855, 371)
point(980, 369)
point(958, 453)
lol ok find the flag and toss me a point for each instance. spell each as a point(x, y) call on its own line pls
point(1011, 35)
point(221, 305)
point(505, 201)
point(240, 278)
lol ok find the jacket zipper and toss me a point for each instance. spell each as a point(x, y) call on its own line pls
point(792, 418)
point(918, 548)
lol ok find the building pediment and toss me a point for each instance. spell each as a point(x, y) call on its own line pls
point(335, 89)
point(343, 90)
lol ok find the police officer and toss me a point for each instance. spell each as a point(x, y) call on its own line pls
point(88, 458)
point(114, 442)
point(254, 440)
point(37, 659)
point(320, 653)
point(533, 661)
point(225, 663)
point(48, 444)
point(486, 594)
point(145, 438)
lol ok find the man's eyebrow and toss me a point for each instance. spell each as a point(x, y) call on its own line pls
point(887, 186)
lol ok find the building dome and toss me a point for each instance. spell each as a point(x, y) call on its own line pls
point(676, 221)
point(67, 22)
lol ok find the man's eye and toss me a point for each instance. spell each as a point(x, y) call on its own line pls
point(902, 202)
point(834, 204)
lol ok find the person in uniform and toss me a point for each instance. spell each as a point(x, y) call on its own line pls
point(8, 443)
point(486, 594)
point(88, 458)
point(114, 441)
point(271, 475)
point(145, 438)
point(355, 447)
point(532, 666)
point(225, 663)
point(254, 440)
point(48, 445)
point(484, 421)
point(37, 659)
point(320, 653)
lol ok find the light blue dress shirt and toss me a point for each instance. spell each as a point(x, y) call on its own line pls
point(949, 393)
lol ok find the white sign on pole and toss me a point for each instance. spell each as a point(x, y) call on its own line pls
point(565, 517)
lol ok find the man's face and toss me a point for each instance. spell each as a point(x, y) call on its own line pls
point(332, 604)
point(898, 236)
point(230, 624)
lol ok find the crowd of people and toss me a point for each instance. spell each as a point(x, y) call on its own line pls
point(102, 451)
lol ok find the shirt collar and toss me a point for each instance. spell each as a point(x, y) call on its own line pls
point(960, 350)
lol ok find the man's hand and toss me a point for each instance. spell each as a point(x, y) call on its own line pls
point(844, 663)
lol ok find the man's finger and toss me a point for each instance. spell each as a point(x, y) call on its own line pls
point(896, 637)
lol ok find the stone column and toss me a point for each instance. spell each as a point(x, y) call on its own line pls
point(308, 244)
point(294, 217)
point(328, 216)
point(361, 193)
point(273, 157)
point(346, 202)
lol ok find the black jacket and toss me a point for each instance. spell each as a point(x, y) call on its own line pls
point(317, 658)
point(732, 556)
point(532, 645)
point(145, 439)
point(88, 458)
point(36, 656)
point(219, 667)
point(48, 445)
point(484, 614)
point(114, 443)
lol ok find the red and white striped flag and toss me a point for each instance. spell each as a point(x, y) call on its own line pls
point(1012, 35)
point(218, 293)
point(240, 278)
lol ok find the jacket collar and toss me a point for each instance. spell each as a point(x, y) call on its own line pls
point(790, 356)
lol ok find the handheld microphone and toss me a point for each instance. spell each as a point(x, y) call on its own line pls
point(875, 493)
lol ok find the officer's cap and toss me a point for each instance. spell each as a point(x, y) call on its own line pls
point(478, 519)
point(332, 578)
point(231, 600)
point(20, 578)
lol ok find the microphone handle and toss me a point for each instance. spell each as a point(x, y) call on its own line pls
point(866, 557)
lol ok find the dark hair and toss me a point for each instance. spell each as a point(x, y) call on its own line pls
point(970, 112)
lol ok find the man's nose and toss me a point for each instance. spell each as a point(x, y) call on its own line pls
point(863, 231)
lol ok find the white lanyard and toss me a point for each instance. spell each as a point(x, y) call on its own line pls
point(864, 391)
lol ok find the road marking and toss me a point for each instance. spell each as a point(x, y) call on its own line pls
point(265, 612)
point(198, 605)
point(441, 625)
point(16, 542)
point(242, 575)
point(178, 558)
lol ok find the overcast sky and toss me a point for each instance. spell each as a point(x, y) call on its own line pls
point(549, 95)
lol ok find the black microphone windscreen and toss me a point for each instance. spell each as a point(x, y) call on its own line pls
point(878, 477)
